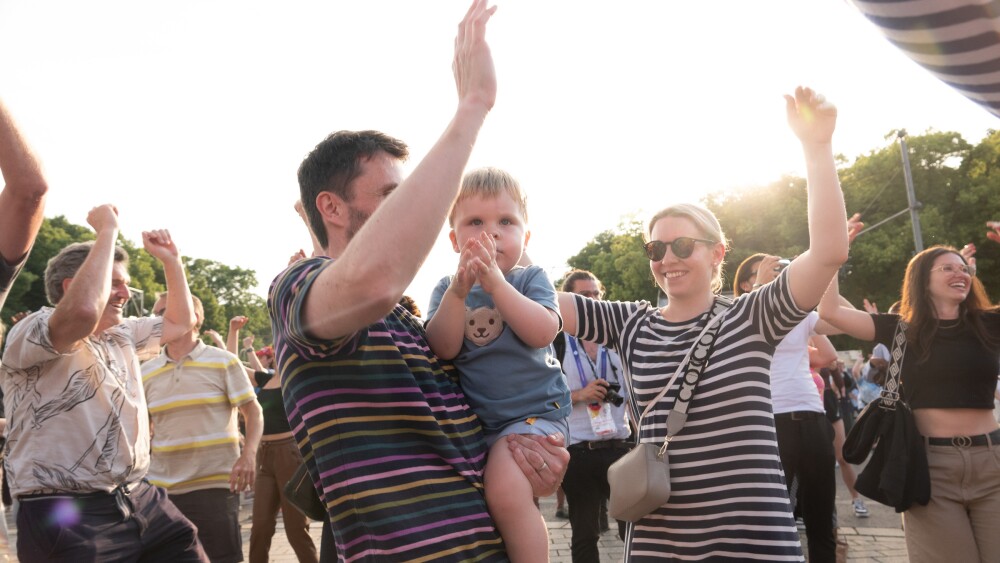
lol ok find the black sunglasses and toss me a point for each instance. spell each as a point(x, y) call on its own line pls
point(682, 247)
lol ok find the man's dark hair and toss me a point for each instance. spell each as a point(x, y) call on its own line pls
point(334, 164)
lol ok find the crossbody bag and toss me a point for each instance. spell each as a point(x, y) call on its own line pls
point(640, 479)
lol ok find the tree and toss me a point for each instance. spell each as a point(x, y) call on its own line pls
point(977, 203)
point(618, 260)
point(147, 277)
point(769, 219)
point(28, 291)
point(874, 185)
point(226, 292)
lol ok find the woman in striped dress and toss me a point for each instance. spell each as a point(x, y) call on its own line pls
point(729, 500)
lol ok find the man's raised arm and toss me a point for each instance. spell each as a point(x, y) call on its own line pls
point(86, 295)
point(22, 201)
point(178, 317)
point(373, 271)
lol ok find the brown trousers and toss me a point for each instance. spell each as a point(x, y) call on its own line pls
point(276, 462)
point(962, 520)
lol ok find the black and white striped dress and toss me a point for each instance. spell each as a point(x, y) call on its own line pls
point(729, 500)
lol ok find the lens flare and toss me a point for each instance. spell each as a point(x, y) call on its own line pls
point(65, 513)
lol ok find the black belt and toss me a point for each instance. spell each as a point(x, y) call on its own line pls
point(799, 415)
point(120, 496)
point(602, 444)
point(124, 488)
point(967, 441)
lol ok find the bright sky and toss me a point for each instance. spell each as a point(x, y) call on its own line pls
point(194, 115)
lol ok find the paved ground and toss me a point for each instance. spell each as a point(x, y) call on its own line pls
point(878, 538)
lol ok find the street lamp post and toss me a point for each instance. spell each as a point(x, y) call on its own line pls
point(911, 198)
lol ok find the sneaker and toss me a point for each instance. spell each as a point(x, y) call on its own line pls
point(860, 510)
point(562, 513)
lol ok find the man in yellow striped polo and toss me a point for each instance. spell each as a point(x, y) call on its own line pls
point(194, 392)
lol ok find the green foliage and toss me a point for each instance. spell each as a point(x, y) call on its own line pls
point(769, 219)
point(28, 291)
point(617, 259)
point(147, 277)
point(225, 291)
point(874, 185)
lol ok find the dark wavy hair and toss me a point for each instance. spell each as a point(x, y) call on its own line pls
point(334, 164)
point(744, 272)
point(917, 308)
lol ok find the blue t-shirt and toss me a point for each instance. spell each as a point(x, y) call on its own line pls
point(504, 379)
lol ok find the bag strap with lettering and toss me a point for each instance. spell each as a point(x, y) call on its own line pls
point(890, 392)
point(696, 360)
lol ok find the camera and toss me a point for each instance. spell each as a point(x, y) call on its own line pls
point(781, 264)
point(612, 395)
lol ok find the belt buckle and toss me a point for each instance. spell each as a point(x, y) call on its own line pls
point(797, 416)
point(961, 441)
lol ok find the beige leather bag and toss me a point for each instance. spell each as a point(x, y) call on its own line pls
point(640, 479)
point(640, 482)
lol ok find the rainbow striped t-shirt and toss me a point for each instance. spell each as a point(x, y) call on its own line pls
point(386, 433)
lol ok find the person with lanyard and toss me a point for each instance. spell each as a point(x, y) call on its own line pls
point(598, 427)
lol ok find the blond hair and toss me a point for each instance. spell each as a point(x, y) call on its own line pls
point(490, 182)
point(706, 223)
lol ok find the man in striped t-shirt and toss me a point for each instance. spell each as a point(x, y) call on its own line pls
point(193, 392)
point(388, 437)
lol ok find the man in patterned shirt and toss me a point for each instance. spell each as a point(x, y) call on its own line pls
point(78, 439)
point(194, 392)
point(388, 438)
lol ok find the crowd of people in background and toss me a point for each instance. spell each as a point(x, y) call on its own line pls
point(132, 438)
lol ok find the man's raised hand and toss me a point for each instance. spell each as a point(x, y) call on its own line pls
point(475, 76)
point(103, 217)
point(159, 244)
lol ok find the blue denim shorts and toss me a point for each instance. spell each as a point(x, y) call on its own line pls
point(536, 426)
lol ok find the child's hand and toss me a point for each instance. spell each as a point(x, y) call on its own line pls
point(487, 271)
point(465, 276)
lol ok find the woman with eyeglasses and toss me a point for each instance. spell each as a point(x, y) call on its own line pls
point(948, 375)
point(729, 500)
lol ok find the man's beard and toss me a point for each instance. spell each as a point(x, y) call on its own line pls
point(356, 220)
